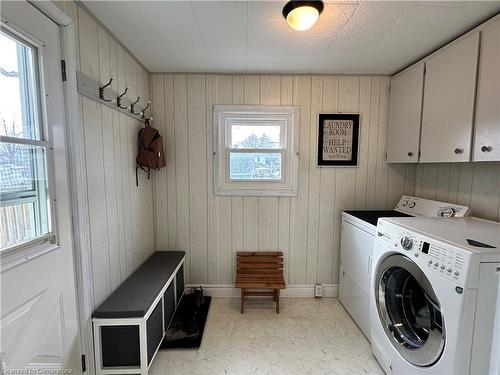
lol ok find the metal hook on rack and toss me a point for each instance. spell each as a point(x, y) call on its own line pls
point(119, 99)
point(144, 109)
point(133, 105)
point(101, 91)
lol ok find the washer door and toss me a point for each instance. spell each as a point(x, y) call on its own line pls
point(409, 310)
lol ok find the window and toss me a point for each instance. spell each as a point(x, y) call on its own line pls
point(25, 213)
point(255, 150)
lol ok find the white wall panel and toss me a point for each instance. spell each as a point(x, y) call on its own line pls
point(306, 228)
point(182, 168)
point(474, 184)
point(225, 257)
point(197, 156)
point(327, 218)
point(121, 214)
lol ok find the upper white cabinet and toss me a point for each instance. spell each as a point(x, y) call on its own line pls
point(405, 111)
point(487, 127)
point(448, 108)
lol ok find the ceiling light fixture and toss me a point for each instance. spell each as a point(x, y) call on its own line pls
point(302, 15)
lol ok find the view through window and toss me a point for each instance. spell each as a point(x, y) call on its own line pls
point(255, 152)
point(24, 197)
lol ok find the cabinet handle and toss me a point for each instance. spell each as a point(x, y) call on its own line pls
point(410, 154)
point(458, 151)
point(486, 148)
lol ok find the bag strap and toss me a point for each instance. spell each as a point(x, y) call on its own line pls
point(148, 173)
point(144, 149)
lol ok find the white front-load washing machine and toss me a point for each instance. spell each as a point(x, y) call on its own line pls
point(357, 241)
point(434, 295)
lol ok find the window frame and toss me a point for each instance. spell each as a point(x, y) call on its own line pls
point(287, 117)
point(42, 242)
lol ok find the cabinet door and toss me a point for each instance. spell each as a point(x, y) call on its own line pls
point(487, 128)
point(179, 284)
point(168, 305)
point(154, 330)
point(405, 113)
point(448, 111)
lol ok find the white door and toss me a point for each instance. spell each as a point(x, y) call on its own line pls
point(487, 127)
point(448, 111)
point(405, 114)
point(39, 328)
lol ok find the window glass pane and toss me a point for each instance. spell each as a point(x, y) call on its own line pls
point(18, 224)
point(255, 136)
point(24, 198)
point(255, 166)
point(18, 97)
point(17, 168)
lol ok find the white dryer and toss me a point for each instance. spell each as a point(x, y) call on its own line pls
point(357, 240)
point(434, 296)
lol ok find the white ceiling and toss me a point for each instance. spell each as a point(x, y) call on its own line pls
point(252, 36)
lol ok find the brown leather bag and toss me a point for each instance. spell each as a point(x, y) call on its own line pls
point(150, 155)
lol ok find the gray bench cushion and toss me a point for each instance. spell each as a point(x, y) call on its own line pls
point(134, 296)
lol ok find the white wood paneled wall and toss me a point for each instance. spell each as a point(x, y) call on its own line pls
point(473, 184)
point(306, 228)
point(121, 214)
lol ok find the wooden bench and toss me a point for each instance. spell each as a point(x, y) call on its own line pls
point(257, 272)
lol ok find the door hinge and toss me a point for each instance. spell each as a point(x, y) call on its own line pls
point(84, 363)
point(63, 70)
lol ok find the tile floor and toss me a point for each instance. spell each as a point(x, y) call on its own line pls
point(309, 336)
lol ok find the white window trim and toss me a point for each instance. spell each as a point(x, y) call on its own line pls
point(25, 251)
point(288, 118)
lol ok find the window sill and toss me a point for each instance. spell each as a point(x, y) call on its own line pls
point(20, 254)
point(256, 192)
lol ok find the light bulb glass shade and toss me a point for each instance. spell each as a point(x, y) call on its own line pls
point(302, 18)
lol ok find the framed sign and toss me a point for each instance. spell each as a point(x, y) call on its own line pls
point(338, 135)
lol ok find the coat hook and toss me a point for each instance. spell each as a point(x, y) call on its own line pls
point(119, 99)
point(144, 109)
point(132, 107)
point(101, 90)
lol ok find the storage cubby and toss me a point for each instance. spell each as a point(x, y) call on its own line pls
point(154, 330)
point(179, 283)
point(120, 346)
point(168, 305)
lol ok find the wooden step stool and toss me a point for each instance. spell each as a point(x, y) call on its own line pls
point(260, 271)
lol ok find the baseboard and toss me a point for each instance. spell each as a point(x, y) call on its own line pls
point(215, 290)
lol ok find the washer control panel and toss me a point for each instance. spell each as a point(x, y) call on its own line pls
point(429, 208)
point(444, 259)
point(447, 260)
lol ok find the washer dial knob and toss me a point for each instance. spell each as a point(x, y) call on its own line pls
point(407, 243)
point(446, 212)
point(412, 204)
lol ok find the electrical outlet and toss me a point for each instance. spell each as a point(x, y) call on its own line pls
point(318, 290)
